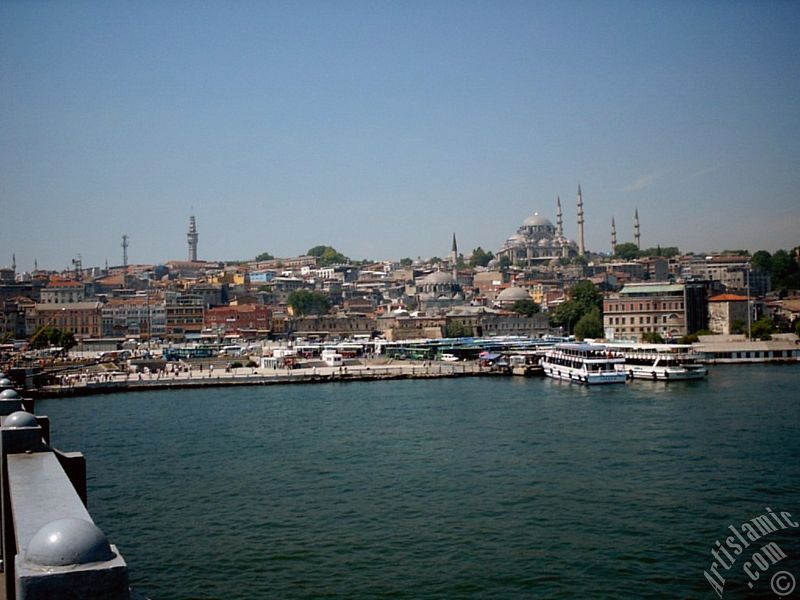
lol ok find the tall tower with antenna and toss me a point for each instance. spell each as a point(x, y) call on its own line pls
point(613, 236)
point(559, 218)
point(637, 234)
point(191, 237)
point(581, 247)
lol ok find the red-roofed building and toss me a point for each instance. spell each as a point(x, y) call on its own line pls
point(727, 312)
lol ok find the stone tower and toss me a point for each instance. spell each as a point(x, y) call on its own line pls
point(613, 236)
point(581, 246)
point(191, 237)
point(559, 218)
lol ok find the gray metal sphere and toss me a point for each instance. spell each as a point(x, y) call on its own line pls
point(20, 418)
point(5, 382)
point(68, 542)
point(9, 394)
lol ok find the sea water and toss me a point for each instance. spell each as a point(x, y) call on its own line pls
point(486, 487)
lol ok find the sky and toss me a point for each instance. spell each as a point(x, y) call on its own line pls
point(383, 127)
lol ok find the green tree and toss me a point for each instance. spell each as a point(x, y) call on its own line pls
point(406, 262)
point(762, 261)
point(590, 325)
point(480, 258)
point(526, 307)
point(504, 262)
point(307, 302)
point(455, 329)
point(566, 314)
point(587, 295)
point(738, 326)
point(665, 252)
point(626, 251)
point(762, 329)
point(264, 256)
point(652, 337)
point(327, 255)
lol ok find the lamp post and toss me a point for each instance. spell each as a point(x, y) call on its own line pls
point(749, 332)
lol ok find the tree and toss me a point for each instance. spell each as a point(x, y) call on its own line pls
point(50, 336)
point(480, 258)
point(504, 262)
point(652, 337)
point(566, 315)
point(264, 256)
point(306, 302)
point(327, 255)
point(762, 261)
point(590, 325)
point(587, 295)
point(738, 326)
point(762, 329)
point(626, 251)
point(455, 329)
point(406, 262)
point(666, 252)
point(526, 307)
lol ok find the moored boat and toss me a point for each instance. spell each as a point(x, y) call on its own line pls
point(661, 362)
point(584, 363)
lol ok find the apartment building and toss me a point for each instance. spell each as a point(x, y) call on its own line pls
point(670, 310)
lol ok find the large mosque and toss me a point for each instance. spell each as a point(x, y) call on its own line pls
point(538, 243)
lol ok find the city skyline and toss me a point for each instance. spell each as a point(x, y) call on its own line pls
point(381, 129)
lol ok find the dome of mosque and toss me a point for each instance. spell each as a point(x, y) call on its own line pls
point(536, 220)
point(512, 294)
point(438, 278)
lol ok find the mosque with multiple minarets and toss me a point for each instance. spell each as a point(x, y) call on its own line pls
point(538, 243)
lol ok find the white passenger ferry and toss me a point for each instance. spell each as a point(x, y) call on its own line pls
point(584, 363)
point(661, 362)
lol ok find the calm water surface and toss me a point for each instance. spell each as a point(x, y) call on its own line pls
point(463, 488)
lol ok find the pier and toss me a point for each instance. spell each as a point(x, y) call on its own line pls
point(84, 384)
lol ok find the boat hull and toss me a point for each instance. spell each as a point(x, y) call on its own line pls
point(665, 374)
point(579, 376)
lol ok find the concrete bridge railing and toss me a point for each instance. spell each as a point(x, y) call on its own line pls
point(51, 547)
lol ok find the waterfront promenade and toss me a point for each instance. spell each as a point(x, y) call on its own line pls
point(210, 376)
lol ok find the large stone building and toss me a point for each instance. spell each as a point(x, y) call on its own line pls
point(538, 243)
point(669, 310)
point(724, 310)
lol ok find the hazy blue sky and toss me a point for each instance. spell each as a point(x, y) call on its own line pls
point(382, 127)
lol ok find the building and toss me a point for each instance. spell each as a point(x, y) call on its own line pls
point(63, 291)
point(438, 292)
point(184, 314)
point(82, 319)
point(725, 312)
point(246, 320)
point(669, 310)
point(140, 316)
point(538, 243)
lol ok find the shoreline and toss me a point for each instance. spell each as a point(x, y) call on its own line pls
point(254, 377)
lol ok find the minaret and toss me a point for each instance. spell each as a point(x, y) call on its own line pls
point(559, 219)
point(636, 233)
point(454, 258)
point(191, 237)
point(125, 253)
point(613, 237)
point(14, 262)
point(581, 247)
